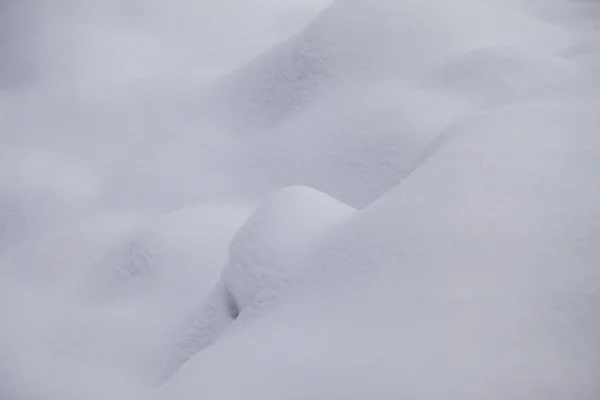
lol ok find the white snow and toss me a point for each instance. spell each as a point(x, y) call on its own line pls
point(114, 292)
point(262, 253)
point(269, 200)
point(476, 277)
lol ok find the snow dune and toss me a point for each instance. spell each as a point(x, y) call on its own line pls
point(397, 199)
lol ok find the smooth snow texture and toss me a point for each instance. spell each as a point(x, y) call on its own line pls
point(262, 264)
point(277, 233)
point(269, 200)
point(360, 40)
point(353, 102)
point(476, 277)
point(77, 42)
point(112, 293)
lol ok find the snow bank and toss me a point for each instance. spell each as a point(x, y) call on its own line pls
point(351, 104)
point(355, 40)
point(284, 226)
point(117, 88)
point(475, 277)
point(357, 143)
point(262, 264)
point(463, 132)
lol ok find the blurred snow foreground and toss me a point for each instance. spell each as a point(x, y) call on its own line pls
point(399, 201)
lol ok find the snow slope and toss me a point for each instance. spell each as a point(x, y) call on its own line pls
point(476, 277)
point(111, 295)
point(397, 201)
point(262, 263)
point(351, 104)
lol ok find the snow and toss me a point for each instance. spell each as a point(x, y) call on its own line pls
point(115, 291)
point(277, 233)
point(354, 41)
point(299, 200)
point(475, 277)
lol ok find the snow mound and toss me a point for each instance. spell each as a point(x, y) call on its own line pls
point(357, 40)
point(448, 250)
point(476, 277)
point(356, 144)
point(354, 102)
point(262, 251)
point(262, 265)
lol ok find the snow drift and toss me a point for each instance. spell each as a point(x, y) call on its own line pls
point(398, 201)
point(475, 277)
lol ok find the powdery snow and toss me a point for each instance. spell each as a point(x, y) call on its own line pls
point(280, 230)
point(398, 199)
point(475, 277)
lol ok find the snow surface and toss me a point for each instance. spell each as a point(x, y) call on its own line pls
point(299, 199)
